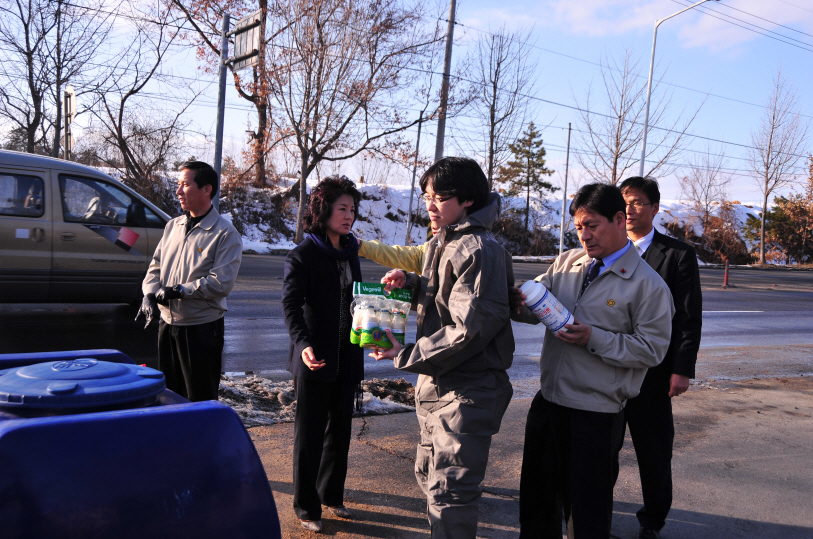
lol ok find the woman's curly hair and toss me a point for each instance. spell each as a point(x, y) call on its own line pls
point(321, 201)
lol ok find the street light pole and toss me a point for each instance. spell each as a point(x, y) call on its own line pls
point(649, 84)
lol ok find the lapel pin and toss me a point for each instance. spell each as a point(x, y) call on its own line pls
point(200, 249)
point(611, 302)
point(623, 270)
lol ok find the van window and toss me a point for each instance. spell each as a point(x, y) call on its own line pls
point(92, 201)
point(153, 221)
point(21, 196)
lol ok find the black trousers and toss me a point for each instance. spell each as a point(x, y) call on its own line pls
point(321, 445)
point(191, 357)
point(567, 466)
point(652, 428)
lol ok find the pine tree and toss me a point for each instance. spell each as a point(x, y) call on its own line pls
point(527, 168)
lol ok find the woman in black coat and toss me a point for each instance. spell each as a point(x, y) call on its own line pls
point(326, 367)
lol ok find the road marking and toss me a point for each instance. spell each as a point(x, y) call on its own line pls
point(704, 312)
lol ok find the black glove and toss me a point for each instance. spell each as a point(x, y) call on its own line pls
point(167, 293)
point(148, 309)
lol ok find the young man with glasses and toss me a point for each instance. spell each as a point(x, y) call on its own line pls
point(464, 347)
point(649, 415)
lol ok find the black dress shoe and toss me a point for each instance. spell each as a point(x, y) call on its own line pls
point(648, 533)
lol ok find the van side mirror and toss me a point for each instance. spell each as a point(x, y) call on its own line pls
point(136, 216)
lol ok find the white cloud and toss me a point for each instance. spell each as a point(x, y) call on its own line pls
point(707, 31)
point(616, 17)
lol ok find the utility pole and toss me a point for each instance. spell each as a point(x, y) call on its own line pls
point(221, 103)
point(444, 88)
point(564, 195)
point(414, 172)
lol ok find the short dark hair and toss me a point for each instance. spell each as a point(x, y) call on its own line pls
point(600, 198)
point(459, 177)
point(203, 174)
point(321, 200)
point(649, 186)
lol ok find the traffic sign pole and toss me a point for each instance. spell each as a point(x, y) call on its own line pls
point(221, 104)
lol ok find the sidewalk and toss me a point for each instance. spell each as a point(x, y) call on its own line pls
point(742, 469)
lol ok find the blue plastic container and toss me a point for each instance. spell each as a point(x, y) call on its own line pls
point(8, 361)
point(157, 470)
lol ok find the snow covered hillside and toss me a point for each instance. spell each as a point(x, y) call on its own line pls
point(383, 211)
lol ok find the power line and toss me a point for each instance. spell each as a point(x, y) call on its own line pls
point(214, 34)
point(601, 65)
point(136, 18)
point(794, 5)
point(707, 11)
point(552, 103)
point(766, 20)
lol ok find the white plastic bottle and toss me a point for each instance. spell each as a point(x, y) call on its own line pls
point(546, 307)
point(398, 325)
point(358, 315)
point(369, 323)
point(384, 322)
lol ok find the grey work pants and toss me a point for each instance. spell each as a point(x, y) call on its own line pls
point(453, 454)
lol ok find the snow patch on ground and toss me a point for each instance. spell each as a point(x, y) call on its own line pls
point(259, 401)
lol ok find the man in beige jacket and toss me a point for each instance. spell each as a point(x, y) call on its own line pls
point(623, 312)
point(192, 271)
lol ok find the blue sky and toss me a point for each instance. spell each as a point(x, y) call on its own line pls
point(695, 51)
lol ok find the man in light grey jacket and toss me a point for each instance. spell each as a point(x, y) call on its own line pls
point(193, 270)
point(623, 322)
point(465, 344)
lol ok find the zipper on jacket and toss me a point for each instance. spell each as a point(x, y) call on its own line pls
point(179, 261)
point(341, 311)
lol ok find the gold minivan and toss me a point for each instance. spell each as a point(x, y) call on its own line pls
point(71, 234)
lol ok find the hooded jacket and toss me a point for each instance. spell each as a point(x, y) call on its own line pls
point(464, 328)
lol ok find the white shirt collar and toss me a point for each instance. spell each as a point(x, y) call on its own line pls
point(644, 243)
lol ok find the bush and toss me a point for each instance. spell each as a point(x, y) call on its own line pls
point(511, 233)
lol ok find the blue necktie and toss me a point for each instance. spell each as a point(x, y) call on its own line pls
point(592, 274)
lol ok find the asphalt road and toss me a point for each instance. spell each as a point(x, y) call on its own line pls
point(769, 309)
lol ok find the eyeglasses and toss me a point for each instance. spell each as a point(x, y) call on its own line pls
point(638, 205)
point(436, 199)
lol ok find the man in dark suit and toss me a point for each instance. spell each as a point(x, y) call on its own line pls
point(649, 415)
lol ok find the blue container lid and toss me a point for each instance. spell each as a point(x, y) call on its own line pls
point(79, 383)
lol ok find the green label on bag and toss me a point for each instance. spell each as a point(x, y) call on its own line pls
point(377, 289)
point(375, 338)
point(355, 335)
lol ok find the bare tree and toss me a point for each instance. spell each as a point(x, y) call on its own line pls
point(504, 75)
point(145, 134)
point(48, 44)
point(778, 146)
point(609, 141)
point(205, 17)
point(706, 184)
point(339, 70)
point(78, 35)
point(25, 25)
